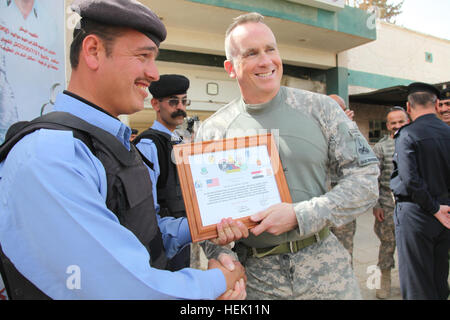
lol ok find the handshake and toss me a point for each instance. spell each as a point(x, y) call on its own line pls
point(235, 277)
point(229, 230)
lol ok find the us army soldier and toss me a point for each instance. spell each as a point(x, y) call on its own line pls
point(384, 210)
point(291, 254)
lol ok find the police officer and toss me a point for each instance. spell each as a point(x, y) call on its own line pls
point(78, 218)
point(421, 185)
point(169, 100)
point(384, 210)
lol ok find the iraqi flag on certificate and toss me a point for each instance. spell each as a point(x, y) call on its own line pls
point(257, 174)
point(212, 182)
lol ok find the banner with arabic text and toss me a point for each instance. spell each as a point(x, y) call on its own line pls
point(32, 59)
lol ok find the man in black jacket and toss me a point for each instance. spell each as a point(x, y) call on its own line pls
point(421, 184)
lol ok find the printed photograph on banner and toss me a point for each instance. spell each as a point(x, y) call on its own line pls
point(32, 60)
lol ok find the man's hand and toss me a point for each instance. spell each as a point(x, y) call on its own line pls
point(379, 214)
point(276, 219)
point(230, 276)
point(238, 293)
point(227, 261)
point(349, 113)
point(229, 230)
point(443, 215)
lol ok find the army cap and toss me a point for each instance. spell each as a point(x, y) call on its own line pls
point(169, 85)
point(422, 87)
point(122, 13)
point(445, 94)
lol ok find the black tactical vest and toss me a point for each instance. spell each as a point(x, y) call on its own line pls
point(168, 187)
point(129, 191)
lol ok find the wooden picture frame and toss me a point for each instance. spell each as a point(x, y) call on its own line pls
point(242, 191)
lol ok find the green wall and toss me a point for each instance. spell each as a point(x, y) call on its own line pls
point(348, 20)
point(376, 81)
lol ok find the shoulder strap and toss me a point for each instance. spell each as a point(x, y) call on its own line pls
point(162, 143)
point(153, 134)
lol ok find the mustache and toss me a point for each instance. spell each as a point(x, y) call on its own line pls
point(179, 113)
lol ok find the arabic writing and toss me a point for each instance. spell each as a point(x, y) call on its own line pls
point(24, 44)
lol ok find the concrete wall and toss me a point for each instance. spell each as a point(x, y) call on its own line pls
point(397, 57)
point(364, 113)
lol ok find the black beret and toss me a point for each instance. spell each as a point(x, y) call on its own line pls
point(445, 94)
point(169, 85)
point(123, 13)
point(422, 87)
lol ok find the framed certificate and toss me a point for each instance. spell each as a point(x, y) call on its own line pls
point(235, 177)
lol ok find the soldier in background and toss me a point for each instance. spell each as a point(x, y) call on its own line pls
point(350, 113)
point(291, 254)
point(384, 210)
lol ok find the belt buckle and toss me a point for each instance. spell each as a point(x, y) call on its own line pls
point(291, 247)
point(317, 236)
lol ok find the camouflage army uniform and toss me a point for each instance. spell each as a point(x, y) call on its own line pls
point(313, 131)
point(346, 232)
point(385, 231)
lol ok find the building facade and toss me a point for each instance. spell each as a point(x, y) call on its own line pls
point(325, 46)
point(398, 57)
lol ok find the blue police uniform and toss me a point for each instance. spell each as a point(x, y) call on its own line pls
point(52, 199)
point(55, 225)
point(170, 201)
point(421, 183)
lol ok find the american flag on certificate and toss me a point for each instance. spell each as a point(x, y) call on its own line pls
point(212, 182)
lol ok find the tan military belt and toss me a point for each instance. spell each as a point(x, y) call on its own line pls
point(291, 246)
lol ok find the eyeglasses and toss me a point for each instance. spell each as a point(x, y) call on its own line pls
point(447, 103)
point(173, 102)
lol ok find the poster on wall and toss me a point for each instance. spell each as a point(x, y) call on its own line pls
point(32, 59)
point(32, 62)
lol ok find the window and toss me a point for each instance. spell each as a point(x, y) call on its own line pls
point(377, 130)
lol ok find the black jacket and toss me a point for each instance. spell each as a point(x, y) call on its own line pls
point(422, 163)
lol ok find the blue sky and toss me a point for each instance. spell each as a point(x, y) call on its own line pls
point(426, 16)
